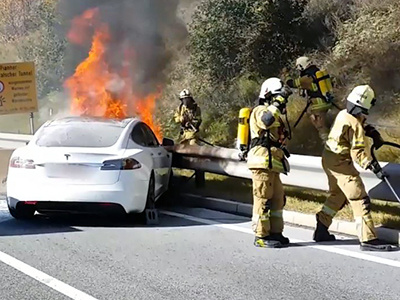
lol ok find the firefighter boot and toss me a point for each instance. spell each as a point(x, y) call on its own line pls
point(377, 245)
point(321, 234)
point(279, 237)
point(265, 242)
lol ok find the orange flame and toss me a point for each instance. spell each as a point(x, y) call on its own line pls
point(97, 89)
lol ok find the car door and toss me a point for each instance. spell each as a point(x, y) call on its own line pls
point(161, 159)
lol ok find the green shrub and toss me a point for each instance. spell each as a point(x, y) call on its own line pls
point(229, 38)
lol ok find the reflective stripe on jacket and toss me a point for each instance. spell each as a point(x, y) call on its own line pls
point(347, 139)
point(258, 156)
point(184, 115)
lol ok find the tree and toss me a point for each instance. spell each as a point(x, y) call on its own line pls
point(229, 38)
point(28, 33)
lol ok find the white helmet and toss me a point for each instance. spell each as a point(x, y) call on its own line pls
point(303, 63)
point(271, 86)
point(185, 94)
point(362, 96)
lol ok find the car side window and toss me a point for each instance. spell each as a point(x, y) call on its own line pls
point(151, 139)
point(138, 136)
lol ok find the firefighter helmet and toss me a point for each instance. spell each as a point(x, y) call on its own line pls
point(185, 94)
point(271, 86)
point(362, 96)
point(303, 63)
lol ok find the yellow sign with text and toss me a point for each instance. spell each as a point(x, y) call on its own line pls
point(18, 88)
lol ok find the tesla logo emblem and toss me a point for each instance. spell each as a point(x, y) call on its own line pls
point(67, 156)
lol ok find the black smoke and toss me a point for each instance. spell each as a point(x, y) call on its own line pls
point(149, 27)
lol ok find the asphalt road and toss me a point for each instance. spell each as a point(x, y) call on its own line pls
point(192, 254)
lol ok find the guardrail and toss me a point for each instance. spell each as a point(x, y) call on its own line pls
point(13, 141)
point(306, 171)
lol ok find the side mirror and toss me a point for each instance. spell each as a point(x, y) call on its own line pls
point(167, 142)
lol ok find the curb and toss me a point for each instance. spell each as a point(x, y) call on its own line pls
point(291, 217)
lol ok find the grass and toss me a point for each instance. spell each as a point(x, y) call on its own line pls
point(307, 201)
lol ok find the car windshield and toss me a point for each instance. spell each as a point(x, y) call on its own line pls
point(83, 133)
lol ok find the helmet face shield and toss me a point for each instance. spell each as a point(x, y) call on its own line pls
point(299, 68)
point(303, 63)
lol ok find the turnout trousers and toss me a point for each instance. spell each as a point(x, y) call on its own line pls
point(189, 138)
point(268, 202)
point(345, 184)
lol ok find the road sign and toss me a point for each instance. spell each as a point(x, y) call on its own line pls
point(18, 88)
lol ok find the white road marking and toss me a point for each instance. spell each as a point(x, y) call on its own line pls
point(51, 282)
point(331, 249)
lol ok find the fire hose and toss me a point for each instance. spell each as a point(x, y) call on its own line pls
point(305, 110)
point(385, 177)
point(200, 139)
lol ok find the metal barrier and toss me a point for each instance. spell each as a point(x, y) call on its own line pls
point(306, 171)
point(13, 141)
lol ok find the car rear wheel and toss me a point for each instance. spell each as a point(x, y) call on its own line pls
point(170, 193)
point(150, 202)
point(22, 212)
point(151, 194)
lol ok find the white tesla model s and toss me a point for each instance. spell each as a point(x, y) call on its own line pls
point(83, 164)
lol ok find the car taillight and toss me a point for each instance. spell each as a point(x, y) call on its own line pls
point(21, 163)
point(121, 164)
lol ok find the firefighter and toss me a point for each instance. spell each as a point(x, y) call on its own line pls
point(266, 160)
point(347, 143)
point(317, 87)
point(188, 115)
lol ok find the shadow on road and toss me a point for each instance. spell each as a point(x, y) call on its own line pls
point(36, 226)
point(347, 242)
point(72, 223)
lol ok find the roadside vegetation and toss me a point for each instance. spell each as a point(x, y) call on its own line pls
point(234, 45)
point(307, 201)
point(29, 31)
point(231, 47)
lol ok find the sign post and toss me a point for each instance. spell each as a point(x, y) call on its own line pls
point(18, 89)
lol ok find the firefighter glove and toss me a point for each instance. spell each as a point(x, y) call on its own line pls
point(371, 132)
point(376, 168)
point(280, 102)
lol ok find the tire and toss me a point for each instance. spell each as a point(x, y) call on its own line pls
point(22, 212)
point(151, 193)
point(171, 177)
point(150, 203)
point(168, 195)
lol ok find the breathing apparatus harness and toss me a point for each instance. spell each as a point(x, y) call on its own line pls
point(265, 139)
point(328, 97)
